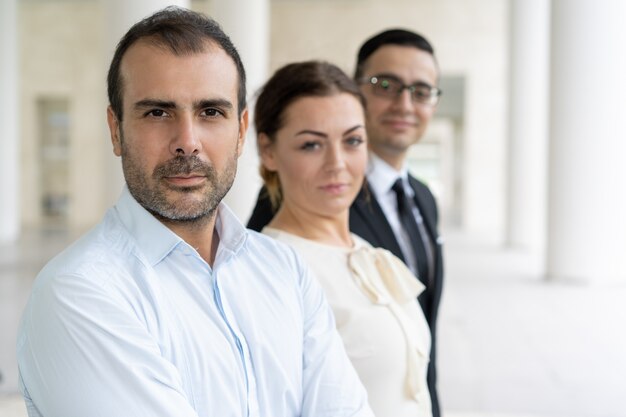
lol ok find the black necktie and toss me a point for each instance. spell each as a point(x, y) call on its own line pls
point(417, 235)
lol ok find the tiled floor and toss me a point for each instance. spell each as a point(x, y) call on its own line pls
point(511, 345)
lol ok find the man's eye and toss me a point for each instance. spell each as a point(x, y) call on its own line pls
point(423, 92)
point(156, 113)
point(385, 84)
point(211, 112)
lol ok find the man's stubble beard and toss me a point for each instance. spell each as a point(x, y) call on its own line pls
point(152, 191)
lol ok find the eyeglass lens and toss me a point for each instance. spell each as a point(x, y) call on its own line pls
point(389, 87)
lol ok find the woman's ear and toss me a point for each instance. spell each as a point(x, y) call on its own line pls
point(266, 151)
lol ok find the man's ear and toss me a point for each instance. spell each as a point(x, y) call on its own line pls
point(114, 129)
point(243, 129)
point(266, 151)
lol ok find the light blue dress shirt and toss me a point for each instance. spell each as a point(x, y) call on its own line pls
point(131, 321)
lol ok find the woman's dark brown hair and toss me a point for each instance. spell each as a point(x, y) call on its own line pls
point(289, 83)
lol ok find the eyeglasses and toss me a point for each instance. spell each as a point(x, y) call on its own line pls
point(391, 87)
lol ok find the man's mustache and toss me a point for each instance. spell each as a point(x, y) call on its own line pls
point(181, 165)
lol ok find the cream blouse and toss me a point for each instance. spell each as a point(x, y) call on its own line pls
point(373, 296)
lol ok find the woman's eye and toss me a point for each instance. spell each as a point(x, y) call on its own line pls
point(354, 140)
point(309, 146)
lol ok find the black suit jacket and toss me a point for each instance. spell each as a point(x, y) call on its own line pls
point(368, 221)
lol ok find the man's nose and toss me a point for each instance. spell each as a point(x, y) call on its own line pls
point(404, 100)
point(185, 141)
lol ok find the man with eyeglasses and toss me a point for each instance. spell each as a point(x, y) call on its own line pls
point(398, 75)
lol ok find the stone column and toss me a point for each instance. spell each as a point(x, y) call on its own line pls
point(119, 16)
point(528, 115)
point(247, 24)
point(587, 194)
point(9, 119)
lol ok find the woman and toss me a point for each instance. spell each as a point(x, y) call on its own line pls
point(310, 123)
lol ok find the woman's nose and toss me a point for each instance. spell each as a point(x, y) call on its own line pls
point(335, 158)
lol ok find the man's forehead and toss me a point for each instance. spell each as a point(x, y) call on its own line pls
point(153, 72)
point(147, 58)
point(399, 60)
point(153, 46)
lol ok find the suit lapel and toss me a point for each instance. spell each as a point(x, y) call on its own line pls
point(427, 214)
point(371, 216)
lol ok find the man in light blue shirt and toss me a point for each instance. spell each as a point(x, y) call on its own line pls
point(170, 307)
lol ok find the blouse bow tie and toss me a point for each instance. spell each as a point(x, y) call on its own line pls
point(387, 281)
point(393, 279)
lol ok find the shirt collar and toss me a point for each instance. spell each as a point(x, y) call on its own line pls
point(381, 176)
point(157, 241)
point(231, 232)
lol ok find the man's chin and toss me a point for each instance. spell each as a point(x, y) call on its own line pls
point(184, 214)
point(394, 145)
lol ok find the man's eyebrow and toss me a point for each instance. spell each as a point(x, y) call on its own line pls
point(200, 104)
point(149, 102)
point(217, 102)
point(387, 75)
point(396, 78)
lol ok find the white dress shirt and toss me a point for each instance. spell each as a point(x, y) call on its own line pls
point(131, 321)
point(381, 176)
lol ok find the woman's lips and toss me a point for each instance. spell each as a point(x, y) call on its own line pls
point(335, 188)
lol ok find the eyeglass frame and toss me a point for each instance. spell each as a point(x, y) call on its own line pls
point(433, 99)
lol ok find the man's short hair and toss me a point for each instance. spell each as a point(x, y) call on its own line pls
point(183, 32)
point(390, 37)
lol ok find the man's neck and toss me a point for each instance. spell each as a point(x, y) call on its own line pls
point(394, 159)
point(379, 162)
point(200, 234)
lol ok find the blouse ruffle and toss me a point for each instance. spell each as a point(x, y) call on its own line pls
point(386, 281)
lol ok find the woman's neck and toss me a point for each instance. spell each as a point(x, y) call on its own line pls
point(332, 230)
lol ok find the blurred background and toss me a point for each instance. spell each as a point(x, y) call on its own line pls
point(524, 155)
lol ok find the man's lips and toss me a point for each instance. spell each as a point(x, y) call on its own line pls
point(400, 123)
point(185, 180)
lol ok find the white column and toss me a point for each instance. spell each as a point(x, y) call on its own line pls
point(9, 139)
point(119, 16)
point(528, 129)
point(587, 191)
point(247, 24)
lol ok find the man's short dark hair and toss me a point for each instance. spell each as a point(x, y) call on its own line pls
point(183, 32)
point(399, 37)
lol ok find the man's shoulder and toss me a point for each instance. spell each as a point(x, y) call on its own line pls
point(419, 184)
point(422, 192)
point(98, 255)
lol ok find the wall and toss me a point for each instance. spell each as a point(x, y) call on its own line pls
point(62, 49)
